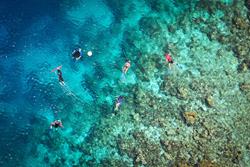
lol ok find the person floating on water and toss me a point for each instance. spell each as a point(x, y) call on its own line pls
point(77, 54)
point(118, 103)
point(59, 74)
point(56, 124)
point(126, 66)
point(169, 60)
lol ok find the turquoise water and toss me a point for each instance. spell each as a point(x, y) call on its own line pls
point(209, 83)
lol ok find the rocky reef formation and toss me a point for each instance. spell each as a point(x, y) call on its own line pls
point(195, 114)
point(190, 115)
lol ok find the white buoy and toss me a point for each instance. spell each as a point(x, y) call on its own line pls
point(89, 53)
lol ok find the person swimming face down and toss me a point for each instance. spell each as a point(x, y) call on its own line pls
point(77, 54)
point(126, 66)
point(169, 60)
point(59, 74)
point(56, 124)
point(118, 102)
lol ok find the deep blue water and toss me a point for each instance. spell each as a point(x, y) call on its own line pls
point(37, 36)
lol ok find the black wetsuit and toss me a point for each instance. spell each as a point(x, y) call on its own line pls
point(59, 74)
point(76, 54)
point(119, 99)
point(57, 124)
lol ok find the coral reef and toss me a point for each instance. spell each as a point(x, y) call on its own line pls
point(195, 113)
point(186, 116)
point(190, 117)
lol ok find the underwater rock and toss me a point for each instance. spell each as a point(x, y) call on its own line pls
point(140, 159)
point(245, 87)
point(125, 146)
point(248, 146)
point(224, 39)
point(166, 48)
point(206, 163)
point(201, 87)
point(247, 3)
point(139, 136)
point(161, 122)
point(46, 158)
point(212, 35)
point(168, 146)
point(221, 52)
point(190, 117)
point(241, 50)
point(171, 28)
point(181, 164)
point(112, 163)
point(146, 151)
point(243, 67)
point(233, 152)
point(247, 62)
point(136, 116)
point(200, 134)
point(240, 23)
point(209, 101)
point(118, 9)
point(182, 93)
point(158, 6)
point(171, 132)
point(150, 25)
point(210, 6)
point(171, 90)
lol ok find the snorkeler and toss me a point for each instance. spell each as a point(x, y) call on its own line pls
point(59, 74)
point(56, 124)
point(126, 66)
point(60, 78)
point(77, 54)
point(169, 60)
point(118, 103)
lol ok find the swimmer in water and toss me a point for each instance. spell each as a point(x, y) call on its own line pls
point(77, 54)
point(59, 74)
point(126, 66)
point(56, 124)
point(60, 78)
point(169, 60)
point(118, 103)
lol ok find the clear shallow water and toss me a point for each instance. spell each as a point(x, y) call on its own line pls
point(39, 36)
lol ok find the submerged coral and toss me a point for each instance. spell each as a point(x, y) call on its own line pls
point(190, 117)
point(195, 113)
point(151, 129)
